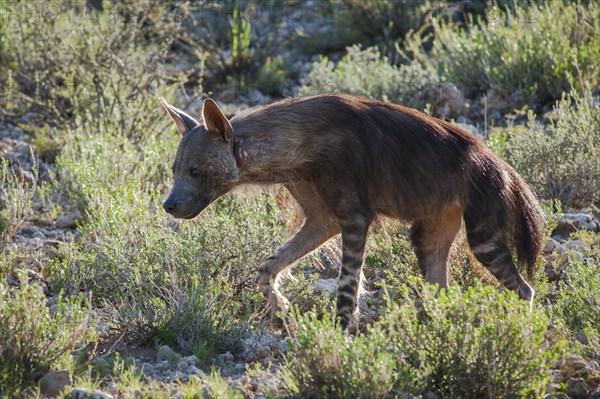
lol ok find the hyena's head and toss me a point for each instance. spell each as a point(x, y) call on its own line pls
point(205, 167)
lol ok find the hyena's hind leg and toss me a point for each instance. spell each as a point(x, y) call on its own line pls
point(319, 225)
point(489, 245)
point(432, 239)
point(354, 238)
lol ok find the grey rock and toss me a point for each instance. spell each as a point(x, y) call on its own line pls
point(550, 245)
point(472, 129)
point(87, 393)
point(68, 221)
point(29, 230)
point(552, 387)
point(577, 389)
point(574, 366)
point(576, 245)
point(226, 357)
point(22, 149)
point(182, 365)
point(53, 309)
point(179, 376)
point(54, 382)
point(244, 379)
point(193, 370)
point(570, 222)
point(165, 353)
point(326, 285)
point(164, 365)
point(192, 360)
point(239, 367)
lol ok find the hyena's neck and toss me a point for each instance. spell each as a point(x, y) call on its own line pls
point(263, 158)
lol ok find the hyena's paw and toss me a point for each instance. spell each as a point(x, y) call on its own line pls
point(264, 283)
point(283, 325)
point(349, 322)
point(353, 327)
point(279, 310)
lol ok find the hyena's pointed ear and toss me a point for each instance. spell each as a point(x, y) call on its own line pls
point(183, 121)
point(214, 119)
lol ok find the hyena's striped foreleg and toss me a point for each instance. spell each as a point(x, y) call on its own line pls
point(318, 227)
point(354, 237)
point(432, 239)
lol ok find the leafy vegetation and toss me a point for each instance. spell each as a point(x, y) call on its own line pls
point(366, 72)
point(493, 346)
point(512, 55)
point(34, 338)
point(83, 86)
point(16, 198)
point(558, 160)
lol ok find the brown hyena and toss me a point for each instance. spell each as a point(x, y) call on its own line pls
point(347, 159)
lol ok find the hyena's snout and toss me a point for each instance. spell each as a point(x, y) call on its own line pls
point(186, 204)
point(171, 205)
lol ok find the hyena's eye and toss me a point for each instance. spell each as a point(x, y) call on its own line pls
point(194, 172)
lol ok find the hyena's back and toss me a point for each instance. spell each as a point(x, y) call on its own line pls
point(400, 162)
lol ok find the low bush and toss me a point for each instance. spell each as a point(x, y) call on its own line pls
point(526, 55)
point(180, 277)
point(34, 338)
point(578, 302)
point(511, 55)
point(17, 191)
point(478, 343)
point(203, 318)
point(83, 66)
point(386, 23)
point(324, 363)
point(382, 23)
point(365, 72)
point(559, 160)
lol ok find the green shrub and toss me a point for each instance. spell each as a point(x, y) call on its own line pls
point(381, 23)
point(385, 23)
point(365, 72)
point(526, 55)
point(271, 77)
point(390, 255)
point(513, 55)
point(33, 339)
point(16, 200)
point(479, 343)
point(84, 67)
point(204, 319)
point(324, 363)
point(559, 161)
point(578, 303)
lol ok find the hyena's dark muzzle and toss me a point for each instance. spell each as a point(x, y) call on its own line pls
point(184, 203)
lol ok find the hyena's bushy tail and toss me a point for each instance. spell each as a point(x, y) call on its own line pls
point(502, 217)
point(527, 226)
